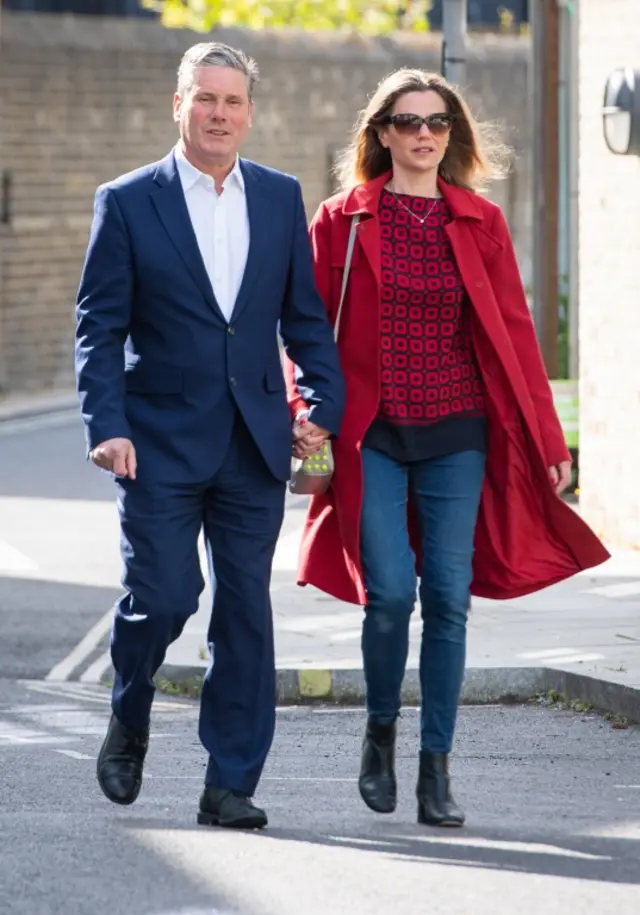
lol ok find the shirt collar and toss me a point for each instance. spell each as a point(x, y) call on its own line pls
point(190, 175)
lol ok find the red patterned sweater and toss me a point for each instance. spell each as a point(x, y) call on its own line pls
point(432, 396)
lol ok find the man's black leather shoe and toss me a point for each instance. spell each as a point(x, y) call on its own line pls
point(120, 762)
point(231, 809)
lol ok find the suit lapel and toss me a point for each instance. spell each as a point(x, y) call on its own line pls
point(258, 208)
point(168, 199)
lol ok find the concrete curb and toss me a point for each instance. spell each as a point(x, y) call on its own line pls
point(47, 405)
point(482, 686)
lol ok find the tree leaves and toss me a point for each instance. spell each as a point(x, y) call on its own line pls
point(372, 17)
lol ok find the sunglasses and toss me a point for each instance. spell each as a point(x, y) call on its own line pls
point(438, 124)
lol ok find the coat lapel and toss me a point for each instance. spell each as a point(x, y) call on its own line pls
point(169, 201)
point(259, 209)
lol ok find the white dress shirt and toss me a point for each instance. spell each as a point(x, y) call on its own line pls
point(221, 225)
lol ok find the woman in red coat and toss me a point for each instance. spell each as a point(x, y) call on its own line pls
point(451, 459)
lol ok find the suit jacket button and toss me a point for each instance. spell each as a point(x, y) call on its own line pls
point(479, 284)
point(231, 330)
point(233, 382)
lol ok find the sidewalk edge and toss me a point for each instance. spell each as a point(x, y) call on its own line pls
point(38, 407)
point(482, 686)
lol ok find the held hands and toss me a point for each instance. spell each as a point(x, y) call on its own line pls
point(307, 437)
point(560, 476)
point(116, 455)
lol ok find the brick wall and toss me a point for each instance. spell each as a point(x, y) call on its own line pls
point(85, 100)
point(609, 282)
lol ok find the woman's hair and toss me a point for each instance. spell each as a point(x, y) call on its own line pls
point(474, 156)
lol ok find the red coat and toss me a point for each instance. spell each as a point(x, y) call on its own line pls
point(526, 537)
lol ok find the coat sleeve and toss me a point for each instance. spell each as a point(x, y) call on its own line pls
point(507, 285)
point(103, 314)
point(307, 336)
point(319, 233)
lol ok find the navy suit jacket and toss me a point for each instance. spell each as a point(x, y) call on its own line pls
point(157, 362)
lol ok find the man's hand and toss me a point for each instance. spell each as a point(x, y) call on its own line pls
point(307, 437)
point(560, 476)
point(116, 455)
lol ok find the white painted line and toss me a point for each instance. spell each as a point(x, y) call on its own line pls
point(621, 589)
point(12, 560)
point(83, 649)
point(304, 778)
point(533, 848)
point(93, 673)
point(73, 754)
point(72, 690)
point(70, 694)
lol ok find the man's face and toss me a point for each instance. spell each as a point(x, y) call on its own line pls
point(214, 116)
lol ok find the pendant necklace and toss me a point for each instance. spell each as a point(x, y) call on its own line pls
point(421, 219)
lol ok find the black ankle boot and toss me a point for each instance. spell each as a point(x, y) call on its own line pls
point(377, 782)
point(436, 806)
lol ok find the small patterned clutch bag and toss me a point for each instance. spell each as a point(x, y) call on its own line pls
point(312, 476)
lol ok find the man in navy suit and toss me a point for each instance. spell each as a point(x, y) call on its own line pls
point(193, 265)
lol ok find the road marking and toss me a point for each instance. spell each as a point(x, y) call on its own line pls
point(12, 560)
point(73, 754)
point(66, 691)
point(71, 690)
point(84, 649)
point(94, 673)
point(532, 848)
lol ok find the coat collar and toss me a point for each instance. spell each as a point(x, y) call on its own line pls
point(364, 199)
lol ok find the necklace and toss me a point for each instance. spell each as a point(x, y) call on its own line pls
point(421, 219)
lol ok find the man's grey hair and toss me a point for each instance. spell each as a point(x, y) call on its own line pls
point(215, 54)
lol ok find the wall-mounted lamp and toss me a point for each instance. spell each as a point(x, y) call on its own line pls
point(621, 112)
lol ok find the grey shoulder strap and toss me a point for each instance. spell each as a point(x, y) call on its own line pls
point(345, 276)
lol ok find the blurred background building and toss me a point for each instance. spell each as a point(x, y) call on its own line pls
point(85, 94)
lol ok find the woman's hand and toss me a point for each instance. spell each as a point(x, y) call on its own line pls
point(560, 476)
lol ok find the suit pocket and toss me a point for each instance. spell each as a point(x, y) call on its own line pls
point(274, 380)
point(140, 379)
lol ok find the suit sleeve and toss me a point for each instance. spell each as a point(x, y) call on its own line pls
point(507, 284)
point(103, 314)
point(312, 366)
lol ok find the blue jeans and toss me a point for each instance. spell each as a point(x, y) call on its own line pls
point(446, 491)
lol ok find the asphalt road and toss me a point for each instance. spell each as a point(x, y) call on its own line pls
point(59, 557)
point(59, 563)
point(553, 800)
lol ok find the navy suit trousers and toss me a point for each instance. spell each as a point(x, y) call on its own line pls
point(241, 510)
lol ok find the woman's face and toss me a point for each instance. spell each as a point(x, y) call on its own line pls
point(416, 145)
